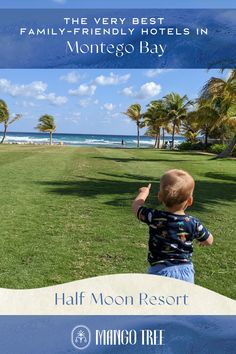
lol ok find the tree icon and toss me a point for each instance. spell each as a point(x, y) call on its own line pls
point(80, 337)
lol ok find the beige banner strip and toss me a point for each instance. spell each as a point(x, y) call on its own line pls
point(123, 294)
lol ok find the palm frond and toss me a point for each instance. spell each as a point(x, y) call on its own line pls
point(17, 117)
point(46, 124)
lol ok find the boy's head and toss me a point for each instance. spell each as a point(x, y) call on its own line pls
point(176, 188)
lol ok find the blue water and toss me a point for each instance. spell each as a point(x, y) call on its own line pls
point(83, 139)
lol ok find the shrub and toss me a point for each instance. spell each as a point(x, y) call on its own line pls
point(218, 148)
point(213, 148)
point(186, 145)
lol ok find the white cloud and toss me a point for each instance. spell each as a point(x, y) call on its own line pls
point(128, 91)
point(85, 102)
point(52, 98)
point(109, 106)
point(71, 78)
point(116, 115)
point(70, 119)
point(27, 104)
point(33, 89)
point(36, 90)
point(112, 79)
point(155, 72)
point(148, 90)
point(74, 117)
point(84, 90)
point(127, 121)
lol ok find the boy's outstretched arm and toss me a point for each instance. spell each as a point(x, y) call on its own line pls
point(140, 199)
point(208, 241)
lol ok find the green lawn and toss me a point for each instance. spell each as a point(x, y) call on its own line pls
point(65, 213)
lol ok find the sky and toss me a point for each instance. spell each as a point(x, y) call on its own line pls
point(92, 101)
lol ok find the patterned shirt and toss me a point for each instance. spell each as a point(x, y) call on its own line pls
point(171, 235)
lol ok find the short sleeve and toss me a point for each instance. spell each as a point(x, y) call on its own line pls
point(145, 215)
point(201, 233)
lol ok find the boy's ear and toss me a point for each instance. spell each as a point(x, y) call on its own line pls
point(190, 201)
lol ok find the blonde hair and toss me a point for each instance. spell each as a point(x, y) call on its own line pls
point(176, 186)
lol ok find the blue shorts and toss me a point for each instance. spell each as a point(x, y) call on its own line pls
point(181, 271)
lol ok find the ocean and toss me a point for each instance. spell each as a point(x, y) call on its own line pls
point(83, 139)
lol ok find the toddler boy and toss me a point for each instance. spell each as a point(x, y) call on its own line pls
point(171, 232)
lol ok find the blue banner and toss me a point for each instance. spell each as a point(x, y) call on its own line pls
point(118, 38)
point(117, 334)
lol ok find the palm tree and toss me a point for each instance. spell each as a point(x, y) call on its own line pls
point(229, 149)
point(190, 127)
point(232, 124)
point(47, 124)
point(205, 118)
point(177, 108)
point(155, 119)
point(222, 94)
point(5, 118)
point(134, 113)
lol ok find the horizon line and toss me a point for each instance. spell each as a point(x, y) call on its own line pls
point(102, 134)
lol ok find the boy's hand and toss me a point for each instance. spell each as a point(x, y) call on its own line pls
point(145, 189)
point(207, 242)
point(141, 197)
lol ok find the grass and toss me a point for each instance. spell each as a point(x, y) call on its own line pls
point(65, 213)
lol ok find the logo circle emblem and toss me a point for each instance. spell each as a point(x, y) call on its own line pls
point(81, 337)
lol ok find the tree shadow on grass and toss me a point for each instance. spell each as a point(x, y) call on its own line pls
point(130, 176)
point(221, 176)
point(162, 156)
point(134, 159)
point(122, 191)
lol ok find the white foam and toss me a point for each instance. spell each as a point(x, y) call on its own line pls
point(26, 139)
point(82, 141)
point(144, 142)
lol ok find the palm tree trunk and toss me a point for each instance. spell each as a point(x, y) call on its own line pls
point(156, 142)
point(173, 136)
point(4, 133)
point(206, 138)
point(227, 152)
point(163, 137)
point(158, 138)
point(138, 137)
point(50, 138)
point(223, 139)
